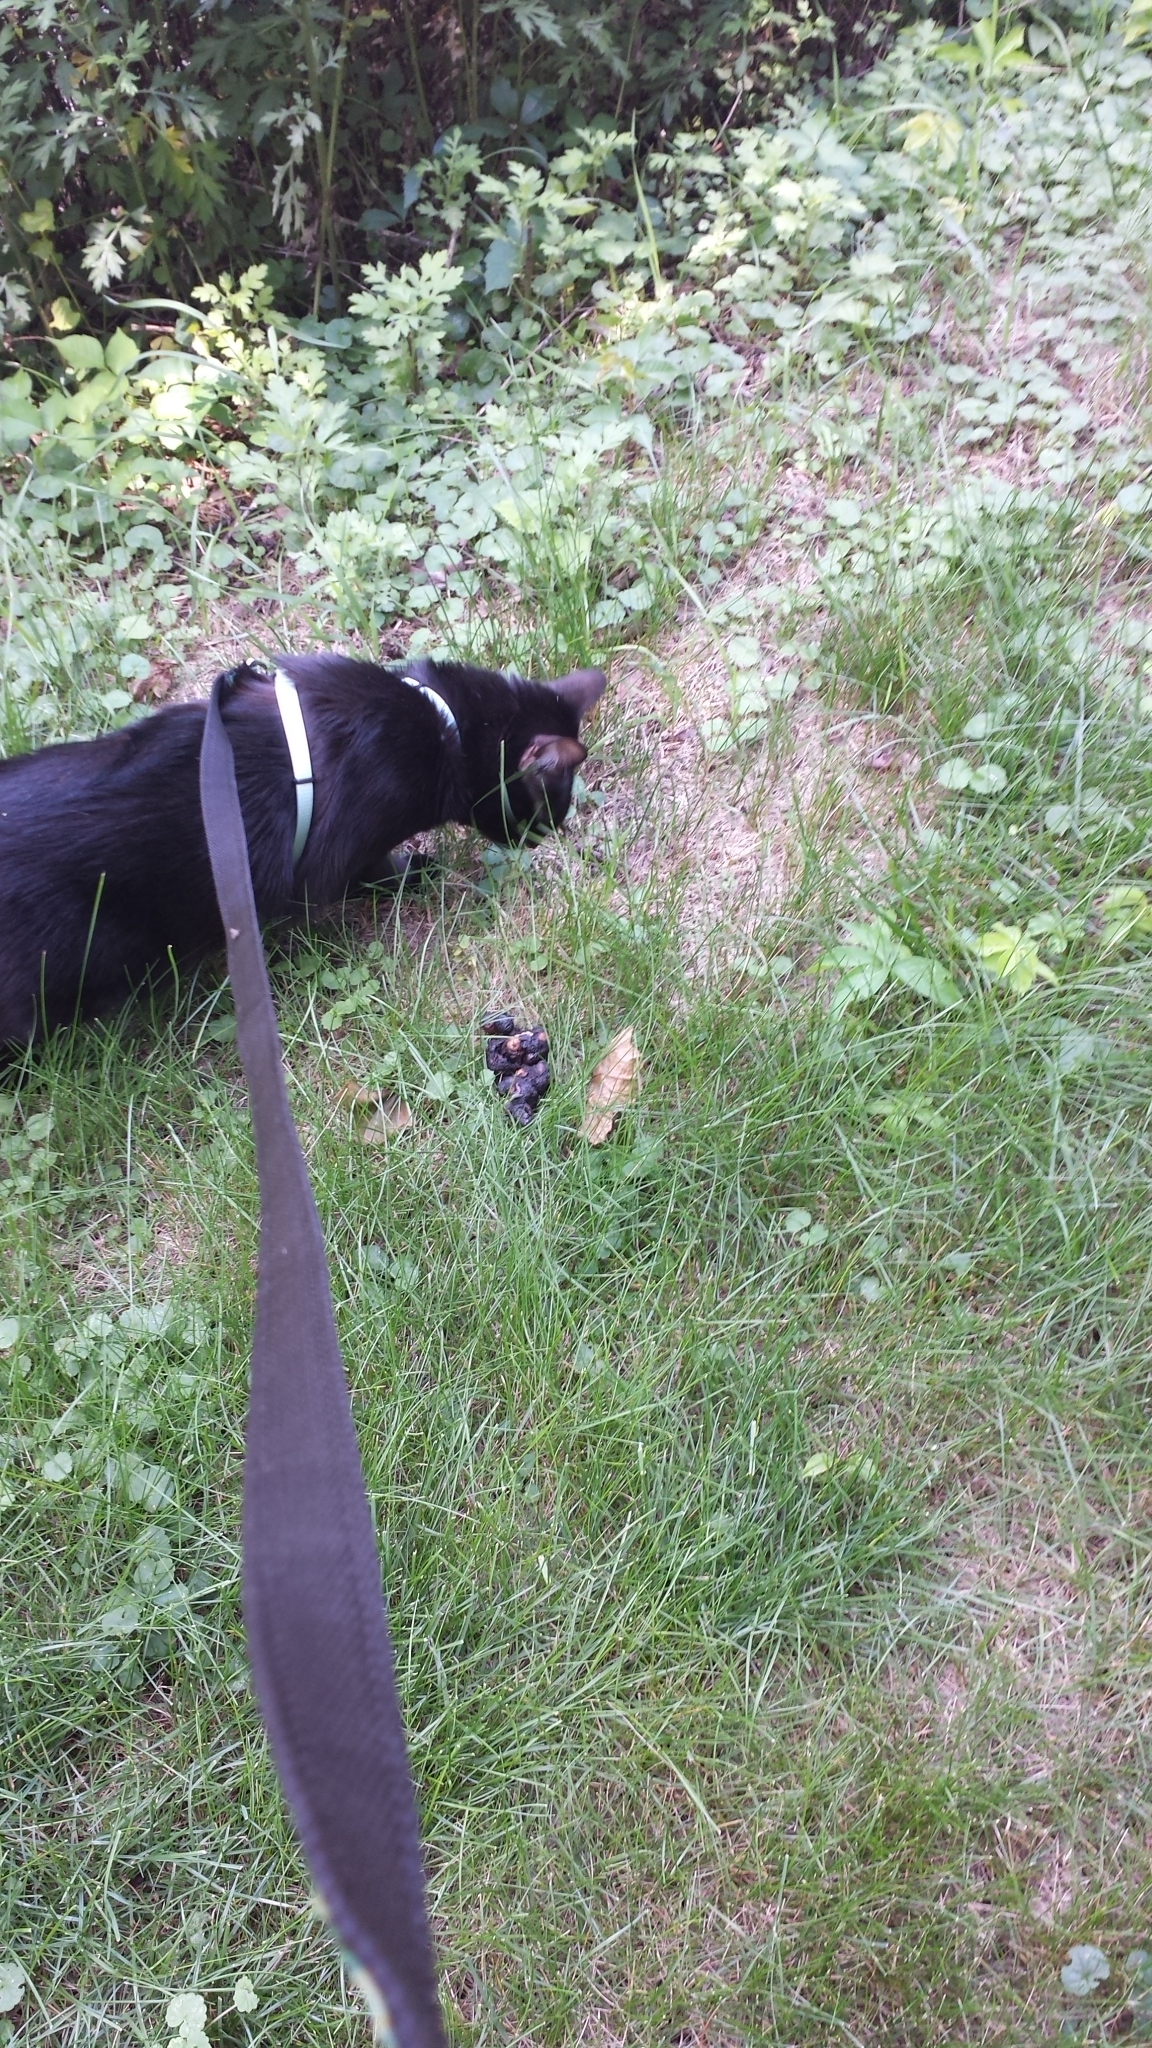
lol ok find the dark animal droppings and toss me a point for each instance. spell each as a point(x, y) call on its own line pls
point(518, 1061)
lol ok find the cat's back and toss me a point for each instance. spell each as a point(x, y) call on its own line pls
point(68, 766)
point(102, 803)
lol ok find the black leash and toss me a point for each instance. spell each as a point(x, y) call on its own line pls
point(313, 1605)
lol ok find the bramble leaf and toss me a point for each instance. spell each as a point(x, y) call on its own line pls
point(1008, 955)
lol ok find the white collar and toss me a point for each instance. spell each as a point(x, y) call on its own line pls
point(299, 753)
point(444, 711)
point(296, 734)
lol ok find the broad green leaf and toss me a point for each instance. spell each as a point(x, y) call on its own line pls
point(57, 1466)
point(504, 97)
point(244, 1996)
point(1077, 1049)
point(778, 689)
point(873, 940)
point(120, 352)
point(175, 402)
point(1126, 914)
point(1055, 929)
point(155, 1319)
point(929, 979)
point(817, 1465)
point(502, 264)
point(987, 779)
point(859, 986)
point(1087, 1968)
point(861, 983)
point(86, 402)
point(12, 1982)
point(954, 774)
point(121, 1620)
point(979, 727)
point(934, 133)
point(958, 53)
point(187, 2009)
point(18, 422)
point(81, 352)
point(1010, 956)
point(744, 651)
point(797, 1220)
point(9, 1332)
point(39, 219)
point(149, 1486)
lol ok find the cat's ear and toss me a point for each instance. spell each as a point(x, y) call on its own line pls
point(583, 688)
point(549, 754)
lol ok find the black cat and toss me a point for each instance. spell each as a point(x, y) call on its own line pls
point(104, 870)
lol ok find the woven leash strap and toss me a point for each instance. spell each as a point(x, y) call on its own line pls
point(314, 1608)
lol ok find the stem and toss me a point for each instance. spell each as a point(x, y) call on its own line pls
point(628, 58)
point(158, 234)
point(327, 215)
point(474, 66)
point(417, 74)
point(314, 90)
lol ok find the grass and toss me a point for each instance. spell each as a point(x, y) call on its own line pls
point(709, 1749)
point(763, 1498)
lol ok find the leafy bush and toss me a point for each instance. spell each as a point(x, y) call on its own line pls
point(151, 150)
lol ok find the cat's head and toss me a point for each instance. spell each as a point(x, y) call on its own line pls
point(539, 751)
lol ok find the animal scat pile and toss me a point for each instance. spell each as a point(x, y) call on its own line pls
point(519, 1062)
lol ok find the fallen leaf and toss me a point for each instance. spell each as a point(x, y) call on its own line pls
point(615, 1083)
point(155, 684)
point(354, 1096)
point(390, 1116)
point(388, 1113)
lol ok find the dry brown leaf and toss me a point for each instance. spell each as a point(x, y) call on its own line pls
point(354, 1096)
point(155, 684)
point(615, 1083)
point(390, 1116)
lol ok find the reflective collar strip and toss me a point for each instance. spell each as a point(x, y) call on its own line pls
point(292, 719)
point(444, 711)
point(295, 732)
